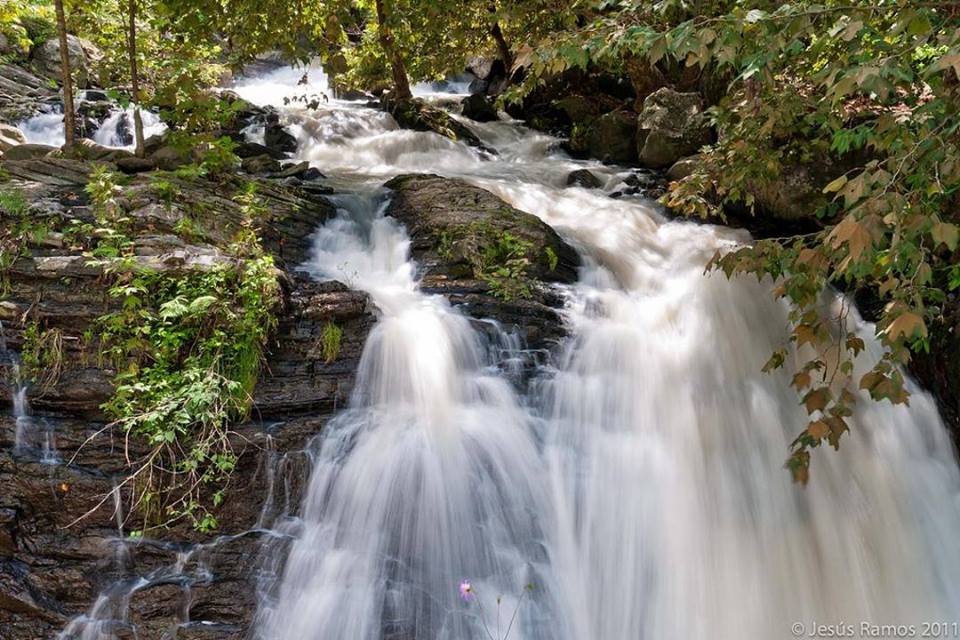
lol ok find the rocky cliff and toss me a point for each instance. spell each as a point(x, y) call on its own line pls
point(63, 543)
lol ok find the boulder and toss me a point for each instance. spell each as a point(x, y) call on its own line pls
point(583, 178)
point(612, 137)
point(90, 150)
point(251, 149)
point(27, 151)
point(579, 110)
point(672, 125)
point(293, 170)
point(83, 55)
point(21, 93)
point(135, 165)
point(479, 108)
point(169, 158)
point(10, 136)
point(795, 194)
point(683, 167)
point(260, 164)
point(458, 235)
point(418, 115)
point(433, 208)
point(277, 137)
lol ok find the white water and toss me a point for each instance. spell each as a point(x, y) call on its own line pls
point(639, 484)
point(47, 128)
point(109, 132)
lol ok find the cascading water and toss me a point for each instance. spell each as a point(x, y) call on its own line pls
point(430, 475)
point(31, 436)
point(638, 485)
point(117, 130)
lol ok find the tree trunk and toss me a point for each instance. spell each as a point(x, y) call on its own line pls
point(68, 114)
point(502, 47)
point(401, 84)
point(135, 78)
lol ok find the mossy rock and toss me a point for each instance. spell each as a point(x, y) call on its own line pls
point(454, 226)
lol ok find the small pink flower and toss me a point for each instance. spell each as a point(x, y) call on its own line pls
point(466, 591)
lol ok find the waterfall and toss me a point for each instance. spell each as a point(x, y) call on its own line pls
point(637, 484)
point(117, 130)
point(44, 128)
point(662, 509)
point(31, 436)
point(429, 476)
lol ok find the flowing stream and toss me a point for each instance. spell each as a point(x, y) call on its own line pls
point(639, 485)
point(636, 485)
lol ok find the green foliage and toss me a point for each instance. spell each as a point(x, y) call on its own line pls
point(15, 238)
point(499, 258)
point(868, 91)
point(193, 346)
point(330, 341)
point(41, 355)
point(552, 259)
point(26, 24)
point(188, 348)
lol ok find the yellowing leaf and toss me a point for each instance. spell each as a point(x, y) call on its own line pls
point(946, 233)
point(817, 399)
point(836, 185)
point(908, 325)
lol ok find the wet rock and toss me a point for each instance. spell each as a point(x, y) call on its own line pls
point(293, 170)
point(417, 115)
point(312, 173)
point(353, 95)
point(57, 549)
point(27, 151)
point(612, 137)
point(10, 136)
point(260, 164)
point(583, 178)
point(96, 110)
point(277, 137)
point(479, 108)
point(451, 222)
point(134, 165)
point(252, 149)
point(671, 126)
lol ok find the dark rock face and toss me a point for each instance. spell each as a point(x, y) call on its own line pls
point(478, 107)
point(671, 126)
point(28, 151)
point(583, 178)
point(57, 550)
point(612, 137)
point(419, 116)
point(277, 137)
point(449, 219)
point(21, 93)
point(260, 164)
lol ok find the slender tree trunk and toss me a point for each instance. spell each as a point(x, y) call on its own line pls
point(135, 78)
point(68, 115)
point(502, 47)
point(401, 84)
